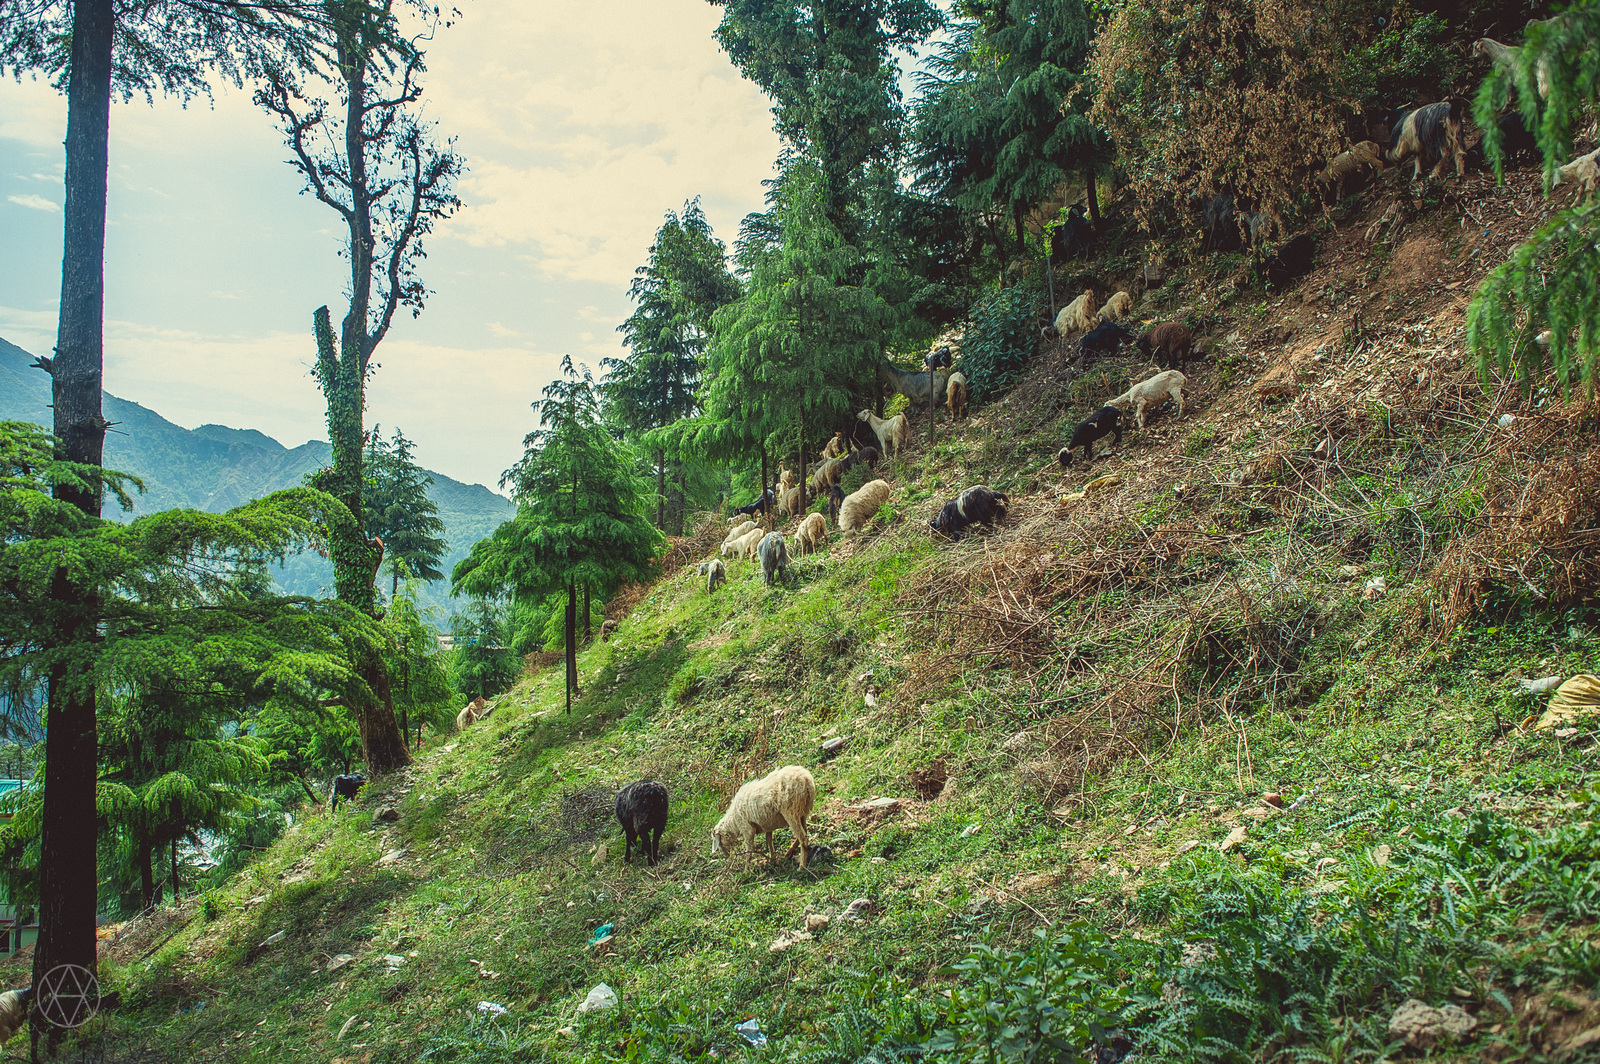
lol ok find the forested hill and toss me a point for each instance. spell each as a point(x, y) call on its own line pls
point(215, 468)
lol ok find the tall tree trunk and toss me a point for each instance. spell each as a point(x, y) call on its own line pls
point(147, 872)
point(356, 559)
point(177, 888)
point(572, 641)
point(67, 874)
point(1094, 194)
point(661, 487)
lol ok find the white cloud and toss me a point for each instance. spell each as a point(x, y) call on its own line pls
point(36, 203)
point(502, 331)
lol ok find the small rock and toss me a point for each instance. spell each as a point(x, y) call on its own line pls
point(1565, 733)
point(1381, 855)
point(394, 960)
point(1235, 837)
point(274, 938)
point(970, 830)
point(340, 961)
point(1544, 683)
point(1274, 799)
point(566, 1032)
point(875, 804)
point(385, 814)
point(787, 939)
point(391, 857)
point(1185, 847)
point(815, 922)
point(600, 999)
point(1423, 1027)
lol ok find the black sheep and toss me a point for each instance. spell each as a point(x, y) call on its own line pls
point(1103, 422)
point(869, 455)
point(762, 504)
point(971, 506)
point(1104, 338)
point(346, 787)
point(642, 809)
point(940, 359)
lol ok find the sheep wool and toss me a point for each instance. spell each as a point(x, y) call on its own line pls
point(862, 505)
point(745, 546)
point(789, 503)
point(1077, 316)
point(1584, 171)
point(1116, 307)
point(813, 530)
point(738, 530)
point(470, 714)
point(782, 798)
point(957, 395)
point(13, 1012)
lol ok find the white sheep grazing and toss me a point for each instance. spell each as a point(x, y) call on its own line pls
point(812, 532)
point(1116, 307)
point(861, 505)
point(738, 530)
point(470, 714)
point(743, 530)
point(895, 430)
point(1168, 383)
point(745, 545)
point(1583, 171)
point(783, 797)
point(1077, 316)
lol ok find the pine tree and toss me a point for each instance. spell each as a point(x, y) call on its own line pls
point(399, 512)
point(1000, 125)
point(1544, 301)
point(481, 664)
point(789, 357)
point(676, 293)
point(580, 524)
point(377, 166)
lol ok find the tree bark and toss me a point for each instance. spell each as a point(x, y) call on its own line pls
point(588, 625)
point(1093, 193)
point(67, 873)
point(147, 872)
point(661, 487)
point(572, 641)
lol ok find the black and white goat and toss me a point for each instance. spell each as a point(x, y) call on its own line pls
point(976, 504)
point(1429, 135)
point(1107, 421)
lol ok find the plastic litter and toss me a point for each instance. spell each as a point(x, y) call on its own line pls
point(970, 830)
point(600, 932)
point(750, 1031)
point(274, 938)
point(493, 1008)
point(600, 999)
point(1546, 683)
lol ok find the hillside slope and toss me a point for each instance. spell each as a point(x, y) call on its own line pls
point(215, 468)
point(1243, 731)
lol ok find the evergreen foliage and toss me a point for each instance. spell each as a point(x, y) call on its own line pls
point(1001, 339)
point(675, 295)
point(580, 521)
point(1543, 302)
point(188, 643)
point(399, 512)
point(481, 665)
point(1000, 124)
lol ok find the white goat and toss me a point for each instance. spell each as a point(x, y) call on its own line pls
point(1151, 393)
point(893, 430)
point(812, 532)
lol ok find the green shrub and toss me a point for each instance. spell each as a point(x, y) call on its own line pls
point(1000, 341)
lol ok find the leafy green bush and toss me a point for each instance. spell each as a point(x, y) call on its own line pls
point(1054, 1001)
point(1001, 339)
point(1405, 61)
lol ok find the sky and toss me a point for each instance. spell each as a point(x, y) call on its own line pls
point(581, 125)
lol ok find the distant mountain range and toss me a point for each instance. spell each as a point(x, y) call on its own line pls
point(216, 468)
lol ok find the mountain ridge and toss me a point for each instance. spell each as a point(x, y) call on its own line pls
point(217, 467)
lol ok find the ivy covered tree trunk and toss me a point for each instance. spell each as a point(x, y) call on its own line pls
point(356, 559)
point(67, 870)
